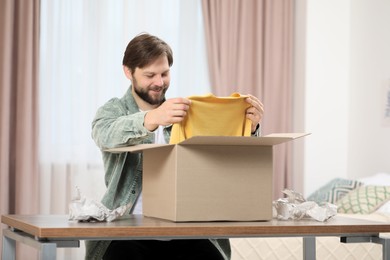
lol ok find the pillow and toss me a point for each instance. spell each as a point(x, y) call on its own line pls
point(384, 208)
point(334, 190)
point(364, 200)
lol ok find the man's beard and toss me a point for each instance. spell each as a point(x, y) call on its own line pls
point(144, 94)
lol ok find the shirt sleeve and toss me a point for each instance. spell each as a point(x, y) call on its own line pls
point(113, 126)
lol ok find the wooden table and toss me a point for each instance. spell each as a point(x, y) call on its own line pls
point(47, 232)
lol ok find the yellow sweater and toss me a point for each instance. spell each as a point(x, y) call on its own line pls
point(213, 116)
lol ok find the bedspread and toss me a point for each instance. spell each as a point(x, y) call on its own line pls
point(328, 248)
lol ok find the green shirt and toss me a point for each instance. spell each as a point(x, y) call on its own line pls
point(118, 123)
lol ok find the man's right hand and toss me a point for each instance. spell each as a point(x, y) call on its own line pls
point(171, 111)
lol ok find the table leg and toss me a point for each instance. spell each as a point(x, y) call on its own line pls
point(385, 249)
point(9, 248)
point(48, 251)
point(385, 242)
point(309, 248)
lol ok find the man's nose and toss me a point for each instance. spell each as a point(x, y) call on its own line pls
point(159, 81)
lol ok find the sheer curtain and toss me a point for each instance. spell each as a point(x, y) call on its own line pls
point(82, 45)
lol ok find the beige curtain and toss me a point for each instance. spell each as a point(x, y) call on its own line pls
point(19, 23)
point(249, 47)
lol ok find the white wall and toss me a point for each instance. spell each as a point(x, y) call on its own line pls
point(341, 63)
point(369, 139)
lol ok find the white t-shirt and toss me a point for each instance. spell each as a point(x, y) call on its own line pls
point(158, 139)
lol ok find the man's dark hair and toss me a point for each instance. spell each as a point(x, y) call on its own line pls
point(144, 49)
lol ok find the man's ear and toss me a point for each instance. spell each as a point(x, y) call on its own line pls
point(127, 72)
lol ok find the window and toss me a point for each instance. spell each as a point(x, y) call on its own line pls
point(82, 45)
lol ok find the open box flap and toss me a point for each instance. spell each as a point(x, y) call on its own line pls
point(272, 139)
point(268, 140)
point(136, 148)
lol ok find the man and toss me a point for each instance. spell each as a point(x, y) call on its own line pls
point(143, 115)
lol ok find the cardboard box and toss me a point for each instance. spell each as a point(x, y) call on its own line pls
point(209, 178)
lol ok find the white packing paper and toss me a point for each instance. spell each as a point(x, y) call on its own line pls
point(83, 209)
point(295, 207)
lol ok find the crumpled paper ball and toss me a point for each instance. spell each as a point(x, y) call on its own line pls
point(83, 209)
point(295, 207)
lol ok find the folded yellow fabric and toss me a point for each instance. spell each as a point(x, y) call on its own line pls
point(213, 116)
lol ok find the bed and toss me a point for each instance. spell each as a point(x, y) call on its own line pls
point(365, 198)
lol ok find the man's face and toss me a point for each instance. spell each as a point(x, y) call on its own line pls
point(151, 82)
